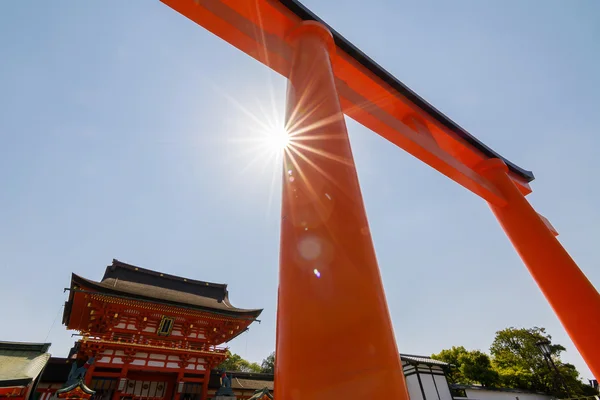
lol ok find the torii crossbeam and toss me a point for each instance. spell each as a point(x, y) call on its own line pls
point(334, 334)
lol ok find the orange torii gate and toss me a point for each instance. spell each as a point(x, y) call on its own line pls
point(334, 334)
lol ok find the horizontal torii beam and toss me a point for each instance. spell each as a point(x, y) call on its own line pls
point(368, 94)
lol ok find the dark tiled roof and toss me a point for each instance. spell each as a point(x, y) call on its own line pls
point(302, 12)
point(243, 380)
point(126, 280)
point(240, 383)
point(21, 363)
point(57, 370)
point(23, 346)
point(122, 271)
point(422, 360)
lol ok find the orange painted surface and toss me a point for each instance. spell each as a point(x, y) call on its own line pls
point(335, 339)
point(260, 28)
point(572, 296)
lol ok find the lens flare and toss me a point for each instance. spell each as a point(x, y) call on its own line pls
point(277, 138)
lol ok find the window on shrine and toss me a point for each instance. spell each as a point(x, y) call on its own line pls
point(166, 326)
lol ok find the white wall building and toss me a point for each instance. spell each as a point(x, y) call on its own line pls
point(474, 392)
point(425, 378)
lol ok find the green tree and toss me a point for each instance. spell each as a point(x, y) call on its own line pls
point(452, 356)
point(469, 366)
point(477, 366)
point(268, 364)
point(234, 362)
point(521, 365)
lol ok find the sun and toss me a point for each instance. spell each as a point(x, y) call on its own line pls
point(277, 138)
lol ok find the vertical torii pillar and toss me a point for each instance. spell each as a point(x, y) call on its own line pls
point(572, 296)
point(335, 339)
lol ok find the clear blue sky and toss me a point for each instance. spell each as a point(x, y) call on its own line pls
point(118, 140)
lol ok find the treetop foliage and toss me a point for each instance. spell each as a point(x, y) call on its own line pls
point(515, 361)
point(235, 362)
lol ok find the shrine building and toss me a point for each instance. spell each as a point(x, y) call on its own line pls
point(425, 379)
point(21, 367)
point(149, 335)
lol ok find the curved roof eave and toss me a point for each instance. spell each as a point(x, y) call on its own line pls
point(234, 312)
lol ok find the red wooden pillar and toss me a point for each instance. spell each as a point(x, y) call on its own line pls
point(572, 296)
point(334, 334)
point(179, 381)
point(88, 375)
point(205, 382)
point(117, 393)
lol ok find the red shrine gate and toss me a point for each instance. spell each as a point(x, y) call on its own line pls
point(329, 285)
point(152, 336)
